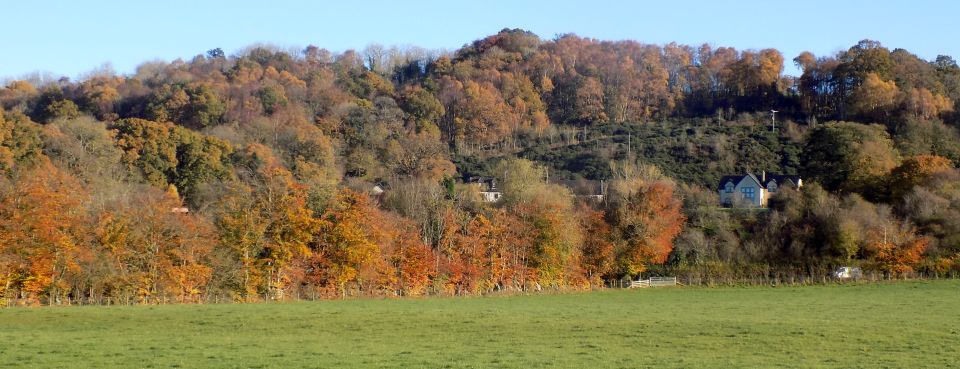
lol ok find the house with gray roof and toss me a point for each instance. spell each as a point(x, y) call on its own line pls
point(748, 190)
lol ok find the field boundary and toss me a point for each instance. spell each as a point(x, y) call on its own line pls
point(783, 279)
point(654, 282)
point(775, 280)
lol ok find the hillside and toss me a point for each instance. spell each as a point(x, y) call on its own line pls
point(269, 173)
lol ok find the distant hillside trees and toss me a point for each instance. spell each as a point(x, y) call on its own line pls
point(271, 174)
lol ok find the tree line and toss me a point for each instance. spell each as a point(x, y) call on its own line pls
point(251, 177)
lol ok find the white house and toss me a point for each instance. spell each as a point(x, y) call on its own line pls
point(486, 188)
point(749, 191)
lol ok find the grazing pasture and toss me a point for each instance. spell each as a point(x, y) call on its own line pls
point(903, 324)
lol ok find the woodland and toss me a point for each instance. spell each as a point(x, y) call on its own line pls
point(251, 177)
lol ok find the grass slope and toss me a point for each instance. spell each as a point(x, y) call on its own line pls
point(908, 324)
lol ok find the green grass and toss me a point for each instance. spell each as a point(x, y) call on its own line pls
point(905, 324)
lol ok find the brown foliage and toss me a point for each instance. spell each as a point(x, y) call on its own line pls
point(647, 218)
point(914, 171)
point(41, 233)
point(898, 259)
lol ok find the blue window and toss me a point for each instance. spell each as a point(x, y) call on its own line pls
point(747, 192)
point(729, 187)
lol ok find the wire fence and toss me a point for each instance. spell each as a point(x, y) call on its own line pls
point(689, 278)
point(790, 279)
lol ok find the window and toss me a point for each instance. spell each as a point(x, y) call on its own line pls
point(729, 187)
point(747, 192)
point(772, 186)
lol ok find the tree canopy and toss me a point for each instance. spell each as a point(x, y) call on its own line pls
point(272, 174)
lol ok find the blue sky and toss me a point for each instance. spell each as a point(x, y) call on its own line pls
point(71, 38)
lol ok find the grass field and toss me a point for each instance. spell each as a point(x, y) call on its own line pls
point(905, 324)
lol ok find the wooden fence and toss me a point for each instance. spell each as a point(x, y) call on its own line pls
point(654, 282)
point(792, 279)
point(663, 281)
point(773, 279)
point(683, 279)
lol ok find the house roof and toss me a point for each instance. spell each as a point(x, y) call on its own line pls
point(780, 180)
point(736, 180)
point(725, 179)
point(489, 182)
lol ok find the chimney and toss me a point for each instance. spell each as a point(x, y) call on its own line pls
point(763, 176)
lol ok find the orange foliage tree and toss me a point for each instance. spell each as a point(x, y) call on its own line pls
point(514, 243)
point(160, 254)
point(555, 250)
point(42, 216)
point(648, 217)
point(266, 227)
point(241, 228)
point(290, 229)
point(346, 246)
point(598, 248)
point(468, 257)
point(898, 259)
point(914, 170)
point(409, 259)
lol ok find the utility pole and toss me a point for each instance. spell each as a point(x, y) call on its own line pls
point(773, 120)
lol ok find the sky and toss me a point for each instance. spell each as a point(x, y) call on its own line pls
point(72, 38)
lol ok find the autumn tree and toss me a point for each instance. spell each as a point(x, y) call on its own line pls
point(850, 157)
point(520, 180)
point(914, 171)
point(241, 228)
point(60, 109)
point(195, 106)
point(874, 98)
point(896, 250)
point(6, 155)
point(41, 233)
point(932, 206)
point(857, 63)
point(17, 94)
point(423, 108)
point(99, 96)
point(20, 142)
point(646, 217)
point(557, 255)
point(161, 254)
point(468, 257)
point(409, 259)
point(598, 248)
point(424, 202)
point(922, 103)
point(166, 154)
point(346, 246)
point(585, 102)
point(478, 113)
point(290, 229)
